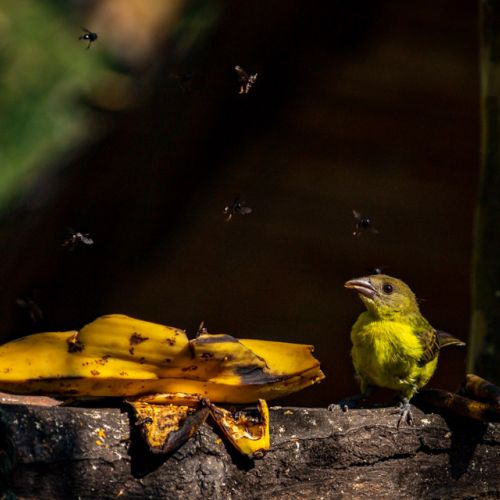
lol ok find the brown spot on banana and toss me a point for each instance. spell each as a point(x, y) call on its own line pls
point(137, 338)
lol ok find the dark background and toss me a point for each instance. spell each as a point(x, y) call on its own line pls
point(367, 105)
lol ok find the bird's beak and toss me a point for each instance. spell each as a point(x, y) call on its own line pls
point(363, 286)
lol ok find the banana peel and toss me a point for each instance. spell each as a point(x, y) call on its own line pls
point(477, 399)
point(166, 421)
point(460, 405)
point(480, 389)
point(171, 382)
point(246, 433)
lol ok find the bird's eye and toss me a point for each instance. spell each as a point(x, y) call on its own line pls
point(387, 289)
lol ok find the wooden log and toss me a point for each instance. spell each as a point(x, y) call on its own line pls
point(75, 452)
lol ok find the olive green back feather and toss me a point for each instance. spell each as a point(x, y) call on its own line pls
point(432, 341)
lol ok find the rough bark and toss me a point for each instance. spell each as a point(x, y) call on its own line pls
point(74, 452)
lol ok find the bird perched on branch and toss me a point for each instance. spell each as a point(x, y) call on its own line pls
point(393, 345)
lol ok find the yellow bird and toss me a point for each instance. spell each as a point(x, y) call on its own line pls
point(393, 345)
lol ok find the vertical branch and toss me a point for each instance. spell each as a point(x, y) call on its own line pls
point(484, 345)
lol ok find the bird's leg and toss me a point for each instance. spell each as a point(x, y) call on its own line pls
point(405, 412)
point(353, 401)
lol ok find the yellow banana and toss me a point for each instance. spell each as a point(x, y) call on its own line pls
point(120, 356)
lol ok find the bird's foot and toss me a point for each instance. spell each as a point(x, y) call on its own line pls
point(405, 415)
point(348, 403)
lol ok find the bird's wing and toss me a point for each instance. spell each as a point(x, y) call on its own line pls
point(430, 343)
point(446, 339)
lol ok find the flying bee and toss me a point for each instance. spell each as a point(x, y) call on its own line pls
point(90, 36)
point(236, 207)
point(33, 309)
point(363, 223)
point(246, 80)
point(75, 238)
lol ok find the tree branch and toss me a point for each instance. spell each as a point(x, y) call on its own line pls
point(69, 452)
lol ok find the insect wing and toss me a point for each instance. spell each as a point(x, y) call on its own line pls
point(85, 238)
point(243, 75)
point(244, 210)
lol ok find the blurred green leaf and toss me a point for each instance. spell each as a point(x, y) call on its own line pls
point(44, 71)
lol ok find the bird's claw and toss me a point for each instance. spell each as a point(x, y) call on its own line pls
point(405, 415)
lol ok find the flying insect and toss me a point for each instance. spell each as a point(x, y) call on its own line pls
point(89, 36)
point(236, 207)
point(34, 311)
point(76, 238)
point(363, 223)
point(246, 80)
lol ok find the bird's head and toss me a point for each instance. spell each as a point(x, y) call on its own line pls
point(384, 296)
